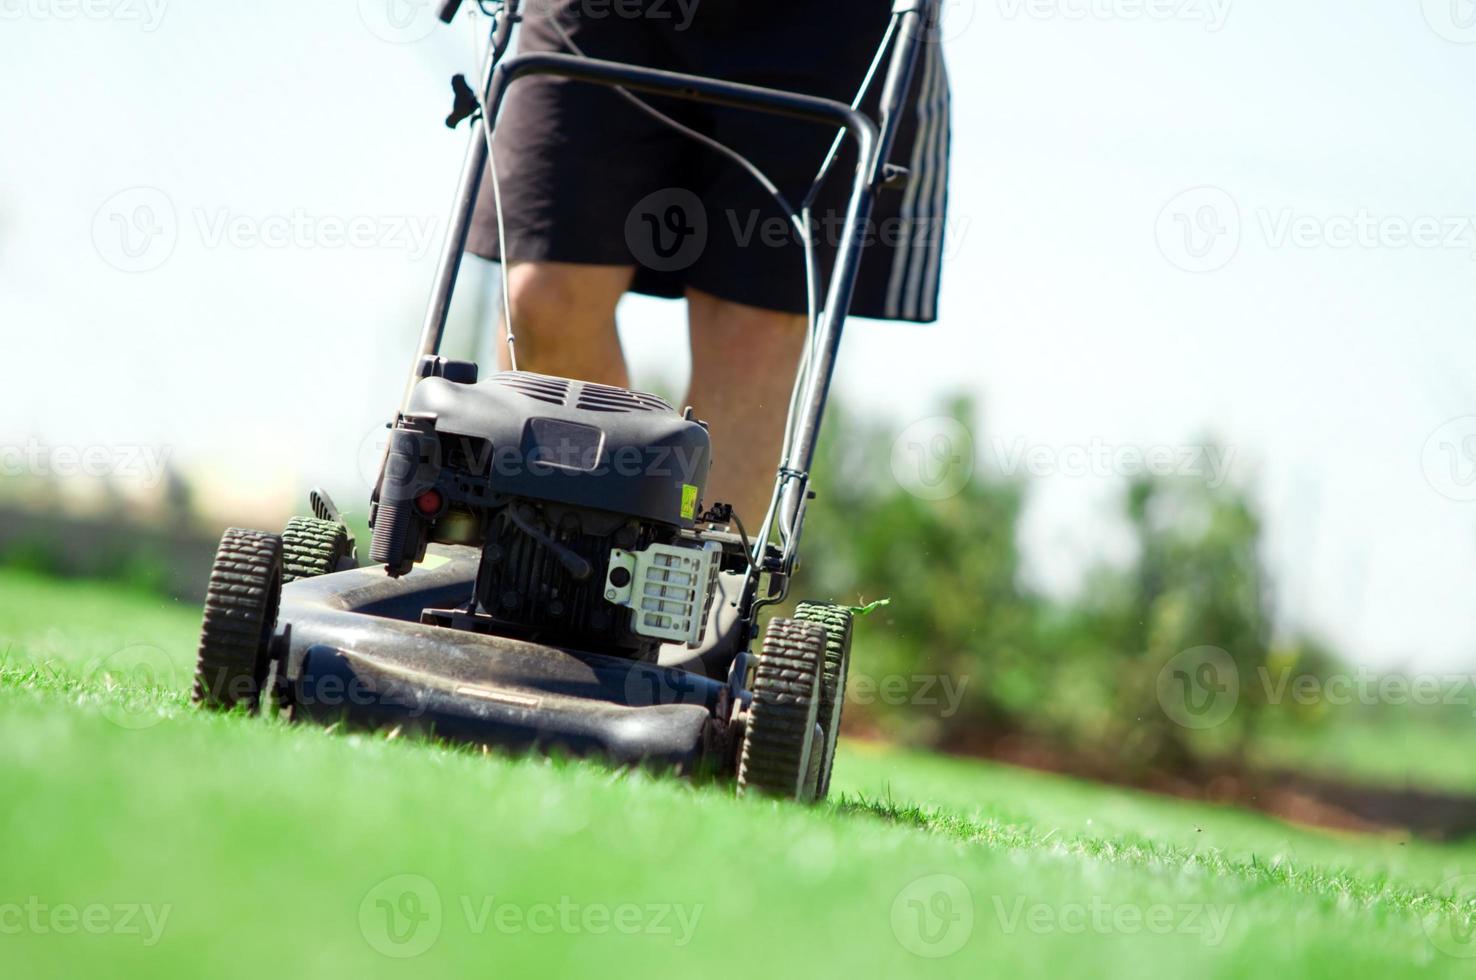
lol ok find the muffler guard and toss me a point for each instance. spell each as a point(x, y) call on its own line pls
point(352, 651)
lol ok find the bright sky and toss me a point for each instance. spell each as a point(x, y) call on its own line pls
point(1171, 218)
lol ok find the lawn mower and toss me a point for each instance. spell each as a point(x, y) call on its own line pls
point(545, 571)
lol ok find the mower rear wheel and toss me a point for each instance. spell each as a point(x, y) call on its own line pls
point(781, 730)
point(312, 547)
point(837, 621)
point(241, 605)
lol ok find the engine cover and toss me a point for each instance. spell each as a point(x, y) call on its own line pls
point(577, 443)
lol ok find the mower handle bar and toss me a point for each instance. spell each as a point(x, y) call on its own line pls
point(692, 88)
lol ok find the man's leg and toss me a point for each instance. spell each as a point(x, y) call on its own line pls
point(564, 320)
point(743, 364)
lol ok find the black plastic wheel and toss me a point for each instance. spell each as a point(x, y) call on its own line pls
point(837, 621)
point(240, 615)
point(312, 547)
point(780, 735)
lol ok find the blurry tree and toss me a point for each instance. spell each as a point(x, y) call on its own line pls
point(1084, 674)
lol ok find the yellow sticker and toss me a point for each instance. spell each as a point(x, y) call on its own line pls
point(689, 501)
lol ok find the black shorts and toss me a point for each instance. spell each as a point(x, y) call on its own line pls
point(588, 178)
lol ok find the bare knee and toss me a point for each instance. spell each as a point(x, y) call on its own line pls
point(743, 340)
point(579, 297)
point(564, 318)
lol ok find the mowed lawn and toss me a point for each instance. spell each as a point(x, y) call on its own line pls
point(143, 838)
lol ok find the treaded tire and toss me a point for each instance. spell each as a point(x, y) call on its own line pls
point(781, 725)
point(838, 622)
point(312, 547)
point(240, 614)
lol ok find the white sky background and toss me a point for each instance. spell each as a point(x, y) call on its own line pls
point(1066, 308)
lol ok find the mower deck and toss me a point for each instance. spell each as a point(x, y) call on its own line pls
point(352, 649)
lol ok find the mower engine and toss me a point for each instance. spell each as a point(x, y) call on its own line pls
point(583, 499)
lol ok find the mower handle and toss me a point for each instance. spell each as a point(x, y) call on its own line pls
point(694, 88)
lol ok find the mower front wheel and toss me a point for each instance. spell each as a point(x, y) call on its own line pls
point(837, 621)
point(241, 605)
point(782, 734)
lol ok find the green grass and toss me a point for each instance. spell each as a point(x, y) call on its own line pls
point(280, 850)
